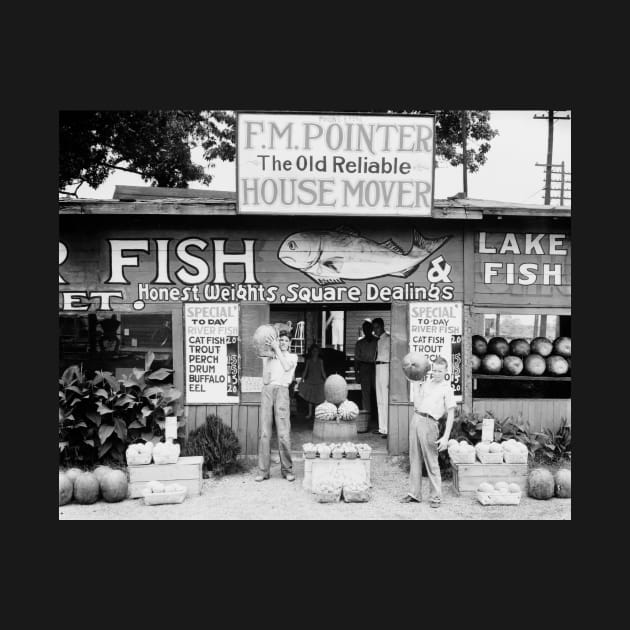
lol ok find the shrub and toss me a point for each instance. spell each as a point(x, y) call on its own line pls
point(100, 417)
point(218, 445)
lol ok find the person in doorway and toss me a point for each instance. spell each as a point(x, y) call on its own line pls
point(364, 365)
point(163, 336)
point(382, 375)
point(278, 373)
point(431, 400)
point(110, 336)
point(311, 387)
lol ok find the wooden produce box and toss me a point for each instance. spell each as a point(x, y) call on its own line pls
point(187, 472)
point(329, 464)
point(467, 477)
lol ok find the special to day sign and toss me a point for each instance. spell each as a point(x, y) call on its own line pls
point(212, 353)
point(335, 164)
point(435, 329)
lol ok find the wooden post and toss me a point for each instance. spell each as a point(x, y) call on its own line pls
point(464, 161)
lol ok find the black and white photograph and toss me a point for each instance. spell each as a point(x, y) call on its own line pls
point(280, 314)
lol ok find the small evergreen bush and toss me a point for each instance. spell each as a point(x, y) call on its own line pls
point(217, 444)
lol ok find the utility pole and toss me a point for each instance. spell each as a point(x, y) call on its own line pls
point(550, 117)
point(464, 162)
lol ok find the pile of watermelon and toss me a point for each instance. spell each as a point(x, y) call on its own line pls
point(536, 358)
point(336, 406)
point(86, 487)
point(543, 484)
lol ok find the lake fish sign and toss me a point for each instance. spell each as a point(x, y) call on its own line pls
point(330, 257)
point(335, 164)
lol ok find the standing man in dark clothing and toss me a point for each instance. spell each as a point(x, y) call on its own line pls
point(364, 366)
point(110, 327)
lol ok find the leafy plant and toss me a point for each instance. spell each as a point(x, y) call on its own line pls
point(218, 445)
point(98, 418)
point(555, 445)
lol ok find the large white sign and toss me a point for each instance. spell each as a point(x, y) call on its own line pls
point(335, 164)
point(212, 353)
point(435, 329)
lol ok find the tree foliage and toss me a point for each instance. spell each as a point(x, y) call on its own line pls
point(157, 144)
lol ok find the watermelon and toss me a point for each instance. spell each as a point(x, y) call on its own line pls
point(491, 364)
point(476, 363)
point(260, 340)
point(415, 366)
point(512, 365)
point(73, 473)
point(540, 484)
point(569, 364)
point(534, 365)
point(479, 345)
point(498, 346)
point(519, 348)
point(114, 486)
point(325, 411)
point(101, 471)
point(562, 480)
point(65, 489)
point(541, 346)
point(557, 365)
point(562, 347)
point(335, 389)
point(86, 488)
point(347, 410)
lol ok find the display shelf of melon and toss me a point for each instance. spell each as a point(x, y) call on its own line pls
point(157, 493)
point(139, 454)
point(350, 450)
point(461, 452)
point(514, 452)
point(337, 451)
point(364, 450)
point(323, 450)
point(489, 452)
point(309, 450)
point(166, 453)
point(501, 493)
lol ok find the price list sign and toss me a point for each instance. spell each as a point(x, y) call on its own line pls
point(435, 329)
point(212, 353)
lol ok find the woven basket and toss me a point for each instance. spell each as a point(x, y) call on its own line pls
point(337, 455)
point(161, 498)
point(350, 496)
point(138, 460)
point(363, 419)
point(490, 458)
point(499, 498)
point(310, 454)
point(515, 458)
point(365, 454)
point(351, 454)
point(327, 497)
point(457, 458)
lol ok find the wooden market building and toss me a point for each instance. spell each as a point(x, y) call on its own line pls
point(509, 265)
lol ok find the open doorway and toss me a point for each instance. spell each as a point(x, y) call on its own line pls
point(335, 330)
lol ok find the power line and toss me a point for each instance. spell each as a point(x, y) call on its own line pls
point(551, 122)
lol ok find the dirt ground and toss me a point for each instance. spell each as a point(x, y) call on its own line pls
point(238, 497)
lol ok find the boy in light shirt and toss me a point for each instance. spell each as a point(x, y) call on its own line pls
point(431, 400)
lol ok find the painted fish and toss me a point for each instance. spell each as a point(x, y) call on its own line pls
point(330, 257)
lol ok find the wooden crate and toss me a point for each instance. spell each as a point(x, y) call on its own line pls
point(326, 465)
point(467, 477)
point(187, 472)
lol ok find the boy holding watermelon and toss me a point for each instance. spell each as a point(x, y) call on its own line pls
point(432, 399)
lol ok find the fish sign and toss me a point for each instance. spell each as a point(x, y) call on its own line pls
point(333, 256)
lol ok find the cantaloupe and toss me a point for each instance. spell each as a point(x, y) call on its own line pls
point(86, 488)
point(562, 480)
point(325, 411)
point(514, 487)
point(335, 389)
point(452, 442)
point(260, 340)
point(482, 447)
point(65, 489)
point(114, 486)
point(495, 447)
point(485, 487)
point(155, 486)
point(463, 443)
point(540, 484)
point(501, 486)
